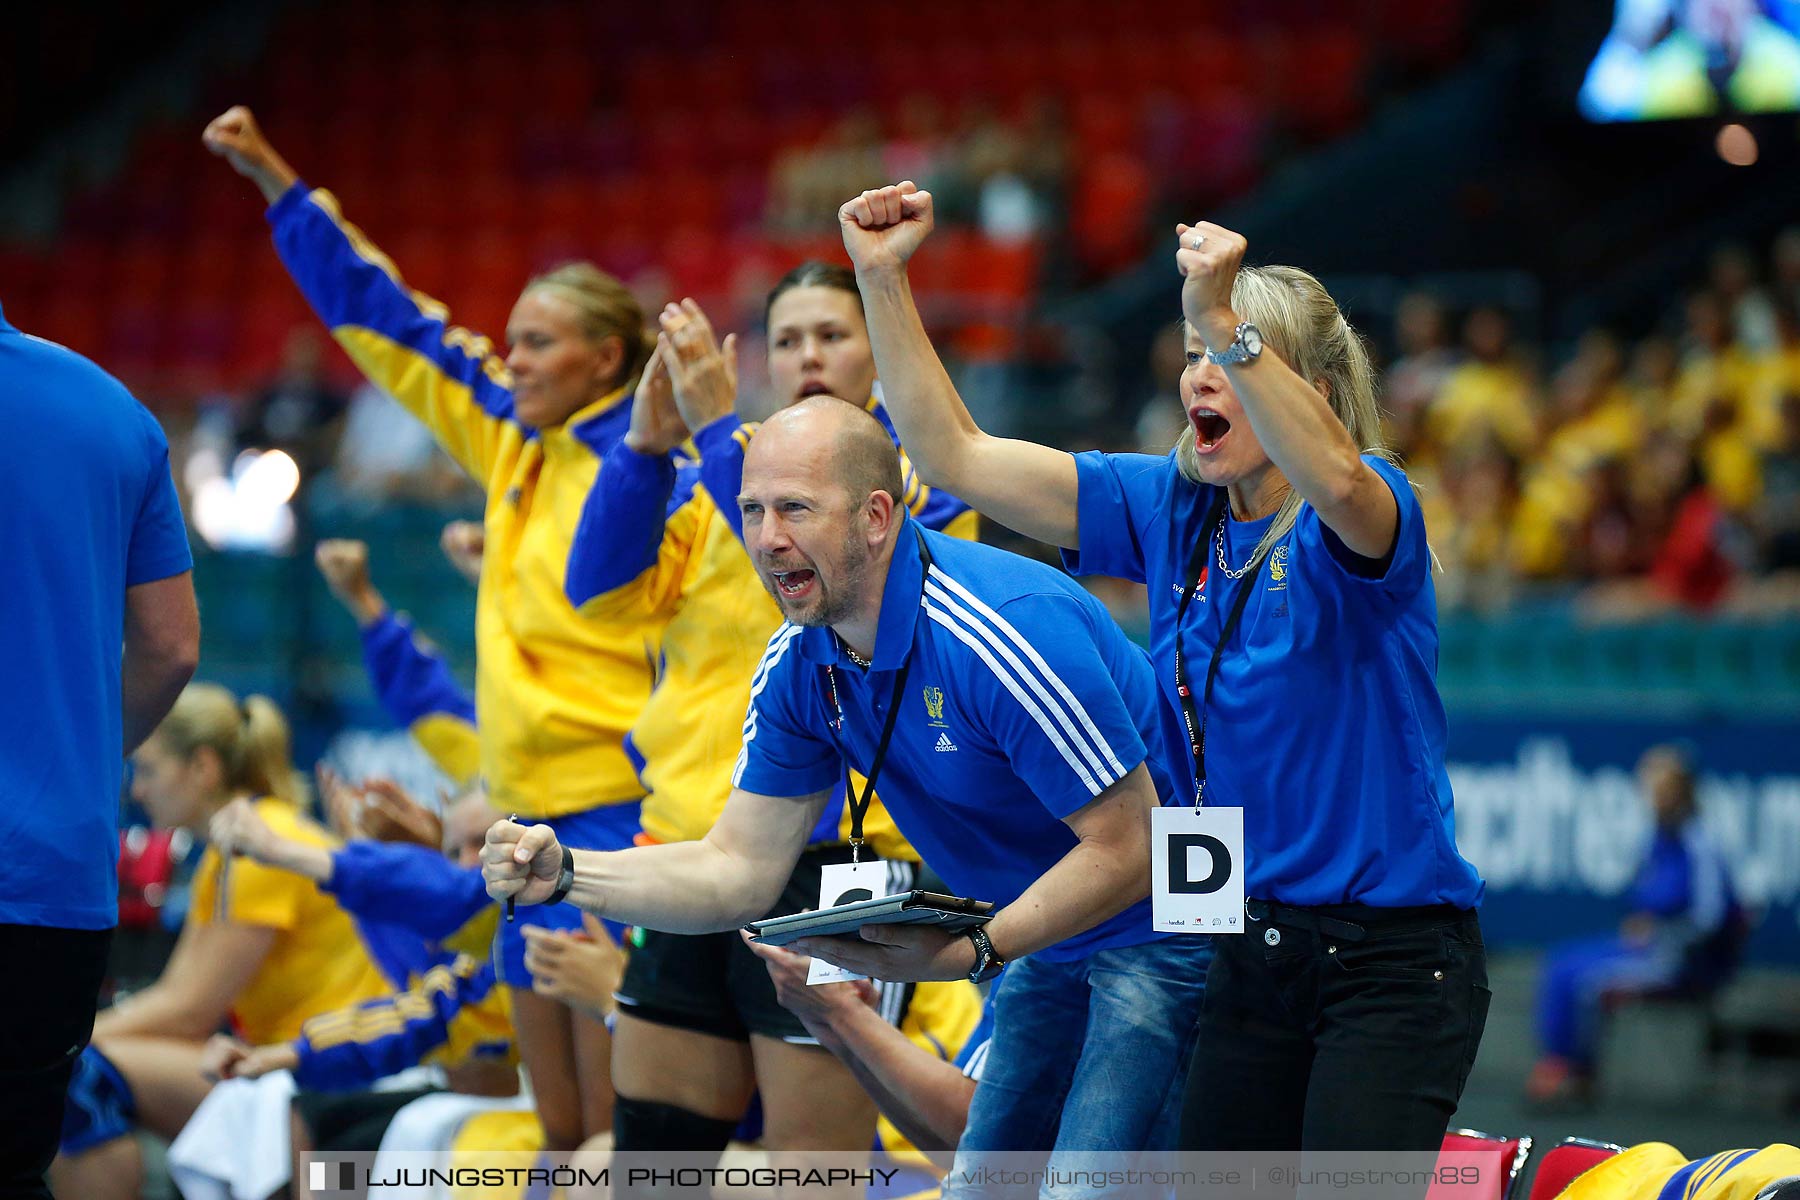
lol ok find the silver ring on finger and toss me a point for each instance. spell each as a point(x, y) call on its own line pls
point(1199, 240)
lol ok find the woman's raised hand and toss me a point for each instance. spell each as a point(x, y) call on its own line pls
point(704, 373)
point(656, 425)
point(1208, 257)
point(884, 226)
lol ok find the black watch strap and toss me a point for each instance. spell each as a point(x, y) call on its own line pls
point(987, 963)
point(565, 878)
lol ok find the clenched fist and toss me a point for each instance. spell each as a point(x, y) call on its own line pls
point(234, 136)
point(344, 562)
point(884, 226)
point(1208, 257)
point(463, 543)
point(521, 862)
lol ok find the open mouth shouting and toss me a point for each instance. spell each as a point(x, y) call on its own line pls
point(1210, 429)
point(796, 584)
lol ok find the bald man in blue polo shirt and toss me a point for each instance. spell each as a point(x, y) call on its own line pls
point(1024, 760)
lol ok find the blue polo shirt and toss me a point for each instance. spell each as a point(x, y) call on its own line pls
point(90, 511)
point(1325, 724)
point(1024, 702)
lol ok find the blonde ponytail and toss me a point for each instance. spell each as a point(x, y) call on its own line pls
point(251, 740)
point(268, 755)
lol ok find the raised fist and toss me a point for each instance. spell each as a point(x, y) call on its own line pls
point(521, 862)
point(1208, 257)
point(344, 563)
point(234, 136)
point(883, 226)
point(464, 543)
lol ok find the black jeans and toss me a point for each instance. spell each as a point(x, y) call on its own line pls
point(48, 1015)
point(1343, 1028)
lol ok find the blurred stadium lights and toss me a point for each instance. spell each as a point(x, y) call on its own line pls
point(246, 508)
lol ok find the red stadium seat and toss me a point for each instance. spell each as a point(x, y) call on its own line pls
point(146, 866)
point(1499, 1162)
point(1324, 74)
point(1566, 1161)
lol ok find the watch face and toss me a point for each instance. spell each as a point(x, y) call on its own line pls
point(1252, 339)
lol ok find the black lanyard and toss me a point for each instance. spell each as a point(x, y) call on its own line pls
point(1194, 717)
point(860, 807)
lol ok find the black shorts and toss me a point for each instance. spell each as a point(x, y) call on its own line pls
point(353, 1120)
point(711, 982)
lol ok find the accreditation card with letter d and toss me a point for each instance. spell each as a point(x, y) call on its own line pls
point(1197, 869)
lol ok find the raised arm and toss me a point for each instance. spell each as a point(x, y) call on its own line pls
point(1025, 486)
point(1295, 424)
point(735, 874)
point(403, 341)
point(638, 530)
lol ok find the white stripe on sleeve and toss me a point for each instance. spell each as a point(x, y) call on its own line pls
point(1053, 728)
point(778, 645)
point(1006, 628)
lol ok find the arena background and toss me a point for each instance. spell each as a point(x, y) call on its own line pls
point(1615, 576)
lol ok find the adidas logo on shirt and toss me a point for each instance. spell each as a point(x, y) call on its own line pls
point(944, 744)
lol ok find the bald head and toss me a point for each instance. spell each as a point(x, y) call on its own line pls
point(847, 446)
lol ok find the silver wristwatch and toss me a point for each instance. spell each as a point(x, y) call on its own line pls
point(1246, 346)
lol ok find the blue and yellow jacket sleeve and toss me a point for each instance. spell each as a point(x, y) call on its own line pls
point(415, 686)
point(454, 1013)
point(637, 533)
point(413, 886)
point(448, 377)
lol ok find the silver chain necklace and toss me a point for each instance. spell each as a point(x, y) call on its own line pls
point(856, 658)
point(1219, 545)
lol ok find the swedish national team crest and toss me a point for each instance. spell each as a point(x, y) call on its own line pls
point(934, 705)
point(1278, 568)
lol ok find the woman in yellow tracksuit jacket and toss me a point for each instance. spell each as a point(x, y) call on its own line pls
point(556, 689)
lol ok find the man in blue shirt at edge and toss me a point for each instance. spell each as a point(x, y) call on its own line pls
point(98, 635)
point(1018, 766)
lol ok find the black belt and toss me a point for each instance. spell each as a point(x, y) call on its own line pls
point(1354, 922)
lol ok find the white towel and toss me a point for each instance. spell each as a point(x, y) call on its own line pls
point(236, 1146)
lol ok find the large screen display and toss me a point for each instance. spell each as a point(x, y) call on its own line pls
point(1665, 59)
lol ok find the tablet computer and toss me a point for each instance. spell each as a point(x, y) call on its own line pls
point(952, 913)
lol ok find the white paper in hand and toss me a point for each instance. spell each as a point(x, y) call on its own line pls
point(844, 883)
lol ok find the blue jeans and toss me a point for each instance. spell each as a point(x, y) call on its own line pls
point(1088, 1056)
